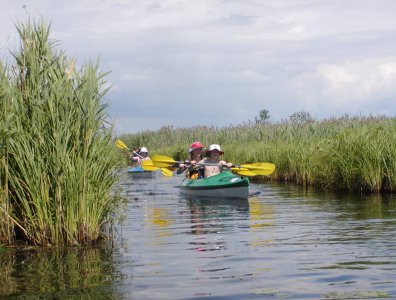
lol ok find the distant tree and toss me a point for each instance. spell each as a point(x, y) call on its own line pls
point(263, 117)
point(301, 117)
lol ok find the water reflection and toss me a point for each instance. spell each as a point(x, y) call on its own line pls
point(55, 273)
point(211, 218)
point(261, 215)
point(285, 243)
point(366, 207)
point(158, 220)
point(214, 215)
point(261, 220)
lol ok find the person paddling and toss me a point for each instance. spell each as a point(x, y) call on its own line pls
point(142, 154)
point(195, 151)
point(213, 154)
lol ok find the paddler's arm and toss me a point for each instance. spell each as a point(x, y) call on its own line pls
point(182, 167)
point(225, 165)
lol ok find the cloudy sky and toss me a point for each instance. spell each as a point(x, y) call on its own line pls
point(217, 62)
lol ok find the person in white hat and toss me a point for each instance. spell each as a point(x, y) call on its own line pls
point(213, 154)
point(140, 155)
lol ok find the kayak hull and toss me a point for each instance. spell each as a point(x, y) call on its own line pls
point(223, 185)
point(138, 172)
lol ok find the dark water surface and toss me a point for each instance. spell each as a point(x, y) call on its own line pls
point(283, 243)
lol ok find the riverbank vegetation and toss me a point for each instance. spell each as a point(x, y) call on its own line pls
point(340, 154)
point(55, 169)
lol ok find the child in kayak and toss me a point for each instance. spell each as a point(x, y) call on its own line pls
point(140, 155)
point(195, 151)
point(213, 154)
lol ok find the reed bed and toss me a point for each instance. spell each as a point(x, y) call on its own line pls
point(6, 132)
point(58, 167)
point(340, 154)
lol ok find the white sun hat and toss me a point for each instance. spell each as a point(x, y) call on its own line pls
point(143, 149)
point(214, 147)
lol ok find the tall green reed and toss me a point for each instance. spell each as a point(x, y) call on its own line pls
point(6, 132)
point(60, 173)
point(346, 153)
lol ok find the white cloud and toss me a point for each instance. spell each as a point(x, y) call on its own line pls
point(167, 57)
point(354, 86)
point(136, 77)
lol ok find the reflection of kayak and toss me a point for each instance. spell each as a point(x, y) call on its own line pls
point(139, 172)
point(225, 184)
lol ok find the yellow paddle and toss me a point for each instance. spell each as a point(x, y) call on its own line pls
point(261, 168)
point(120, 144)
point(148, 165)
point(243, 172)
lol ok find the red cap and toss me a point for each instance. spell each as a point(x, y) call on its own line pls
point(194, 146)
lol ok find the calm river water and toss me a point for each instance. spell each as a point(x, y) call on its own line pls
point(282, 243)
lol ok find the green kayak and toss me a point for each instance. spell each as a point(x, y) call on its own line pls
point(225, 184)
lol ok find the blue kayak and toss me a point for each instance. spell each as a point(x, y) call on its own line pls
point(139, 172)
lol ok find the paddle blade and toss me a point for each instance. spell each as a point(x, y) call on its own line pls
point(236, 169)
point(264, 169)
point(166, 172)
point(150, 168)
point(261, 165)
point(162, 164)
point(163, 159)
point(246, 173)
point(120, 144)
point(147, 165)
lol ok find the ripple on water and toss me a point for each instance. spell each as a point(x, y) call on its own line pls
point(281, 243)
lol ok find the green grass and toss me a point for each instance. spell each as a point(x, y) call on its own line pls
point(59, 171)
point(347, 153)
